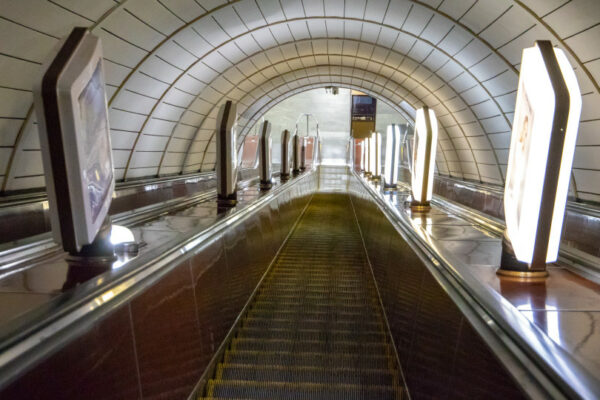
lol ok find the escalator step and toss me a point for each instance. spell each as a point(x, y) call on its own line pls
point(296, 305)
point(354, 360)
point(304, 314)
point(266, 373)
point(325, 347)
point(310, 324)
point(323, 285)
point(308, 334)
point(325, 292)
point(297, 391)
point(338, 298)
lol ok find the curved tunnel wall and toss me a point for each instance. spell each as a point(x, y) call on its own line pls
point(171, 63)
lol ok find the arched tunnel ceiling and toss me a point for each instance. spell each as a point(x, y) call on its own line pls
point(169, 64)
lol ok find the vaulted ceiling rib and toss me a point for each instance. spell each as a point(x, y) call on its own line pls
point(171, 63)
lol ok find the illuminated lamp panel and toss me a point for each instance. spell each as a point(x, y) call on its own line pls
point(424, 151)
point(535, 114)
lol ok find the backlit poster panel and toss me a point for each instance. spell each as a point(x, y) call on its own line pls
point(392, 155)
point(423, 158)
point(542, 78)
point(375, 154)
point(72, 114)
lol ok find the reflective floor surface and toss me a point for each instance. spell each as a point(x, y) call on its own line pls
point(565, 307)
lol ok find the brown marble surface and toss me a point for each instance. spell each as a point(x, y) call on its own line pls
point(154, 341)
point(565, 307)
point(41, 286)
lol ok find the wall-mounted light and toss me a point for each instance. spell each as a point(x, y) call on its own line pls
point(361, 153)
point(265, 143)
point(424, 147)
point(392, 157)
point(375, 155)
point(226, 155)
point(542, 146)
point(296, 153)
point(285, 155)
point(367, 156)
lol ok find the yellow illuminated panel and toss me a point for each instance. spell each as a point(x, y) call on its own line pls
point(530, 140)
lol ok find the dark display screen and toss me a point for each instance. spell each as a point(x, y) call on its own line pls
point(363, 107)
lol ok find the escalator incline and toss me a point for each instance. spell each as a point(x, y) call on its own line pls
point(315, 328)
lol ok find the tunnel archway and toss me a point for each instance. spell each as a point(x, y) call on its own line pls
point(161, 56)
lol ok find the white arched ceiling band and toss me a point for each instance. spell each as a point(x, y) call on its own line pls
point(387, 80)
point(416, 37)
point(441, 164)
point(359, 74)
point(369, 61)
point(476, 25)
point(354, 57)
point(324, 80)
point(29, 116)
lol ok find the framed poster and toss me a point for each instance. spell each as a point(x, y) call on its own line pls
point(70, 102)
point(423, 157)
point(544, 135)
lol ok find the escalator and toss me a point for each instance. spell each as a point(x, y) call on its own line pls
point(315, 329)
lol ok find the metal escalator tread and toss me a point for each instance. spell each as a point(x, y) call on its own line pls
point(315, 329)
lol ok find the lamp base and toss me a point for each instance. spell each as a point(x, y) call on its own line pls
point(523, 275)
point(512, 268)
point(266, 185)
point(227, 201)
point(419, 207)
point(389, 189)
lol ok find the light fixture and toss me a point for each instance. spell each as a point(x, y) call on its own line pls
point(123, 240)
point(334, 90)
point(392, 157)
point(226, 165)
point(542, 146)
point(265, 142)
point(361, 145)
point(424, 147)
point(367, 156)
point(285, 155)
point(375, 155)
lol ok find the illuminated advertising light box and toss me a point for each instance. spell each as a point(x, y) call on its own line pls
point(265, 155)
point(424, 148)
point(361, 154)
point(297, 153)
point(226, 154)
point(375, 155)
point(542, 146)
point(367, 155)
point(285, 154)
point(359, 157)
point(392, 156)
point(72, 114)
point(249, 154)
